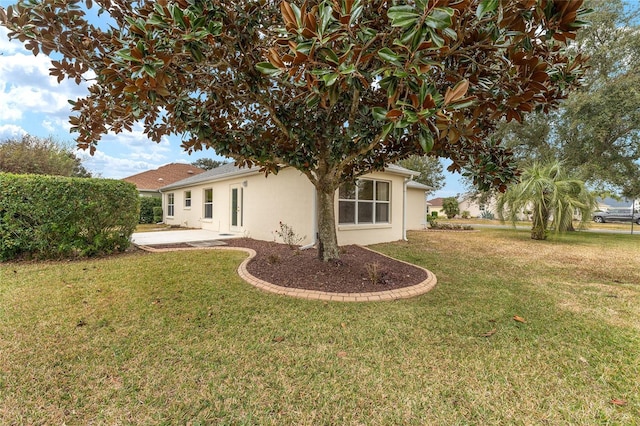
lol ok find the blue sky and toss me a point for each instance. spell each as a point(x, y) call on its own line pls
point(33, 102)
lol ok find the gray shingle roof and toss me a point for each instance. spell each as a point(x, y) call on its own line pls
point(220, 172)
point(230, 170)
point(418, 185)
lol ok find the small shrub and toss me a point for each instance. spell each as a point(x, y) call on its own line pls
point(452, 227)
point(157, 214)
point(487, 215)
point(148, 207)
point(433, 222)
point(450, 207)
point(373, 271)
point(465, 214)
point(289, 236)
point(273, 259)
point(434, 215)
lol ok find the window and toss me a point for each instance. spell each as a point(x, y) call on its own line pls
point(170, 204)
point(187, 199)
point(366, 202)
point(208, 203)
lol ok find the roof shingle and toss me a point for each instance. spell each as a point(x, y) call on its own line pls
point(152, 180)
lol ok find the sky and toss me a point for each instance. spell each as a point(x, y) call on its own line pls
point(32, 102)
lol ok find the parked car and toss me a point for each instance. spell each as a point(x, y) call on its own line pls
point(616, 215)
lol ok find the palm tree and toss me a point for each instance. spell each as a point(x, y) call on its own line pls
point(551, 195)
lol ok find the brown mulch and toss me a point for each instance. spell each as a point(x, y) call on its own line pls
point(358, 271)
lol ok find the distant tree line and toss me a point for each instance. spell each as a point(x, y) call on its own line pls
point(208, 163)
point(41, 156)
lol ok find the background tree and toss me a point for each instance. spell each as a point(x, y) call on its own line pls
point(208, 163)
point(34, 155)
point(429, 167)
point(547, 191)
point(450, 207)
point(334, 88)
point(596, 132)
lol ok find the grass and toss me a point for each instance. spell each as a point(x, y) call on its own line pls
point(153, 227)
point(609, 226)
point(178, 338)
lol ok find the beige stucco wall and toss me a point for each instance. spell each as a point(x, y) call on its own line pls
point(376, 233)
point(416, 208)
point(437, 209)
point(288, 197)
point(473, 207)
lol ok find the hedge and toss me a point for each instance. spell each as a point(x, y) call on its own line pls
point(147, 209)
point(60, 217)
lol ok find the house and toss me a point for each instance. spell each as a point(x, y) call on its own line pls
point(417, 205)
point(380, 207)
point(477, 207)
point(435, 205)
point(150, 182)
point(470, 203)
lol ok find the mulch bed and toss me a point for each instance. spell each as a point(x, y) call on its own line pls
point(358, 271)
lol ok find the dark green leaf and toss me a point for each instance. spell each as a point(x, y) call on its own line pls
point(440, 18)
point(379, 113)
point(268, 68)
point(486, 6)
point(425, 138)
point(330, 79)
point(390, 56)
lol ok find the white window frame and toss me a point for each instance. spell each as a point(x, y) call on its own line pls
point(206, 203)
point(171, 204)
point(187, 199)
point(375, 203)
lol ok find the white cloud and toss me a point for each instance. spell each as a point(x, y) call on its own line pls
point(108, 166)
point(26, 86)
point(10, 131)
point(135, 145)
point(54, 126)
point(33, 102)
point(8, 47)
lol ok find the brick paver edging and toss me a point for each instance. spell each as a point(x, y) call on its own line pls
point(378, 296)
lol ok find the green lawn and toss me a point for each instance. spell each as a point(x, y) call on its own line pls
point(178, 338)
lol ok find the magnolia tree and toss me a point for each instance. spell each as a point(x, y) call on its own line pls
point(333, 88)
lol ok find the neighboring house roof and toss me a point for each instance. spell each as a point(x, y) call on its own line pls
point(231, 170)
point(153, 180)
point(436, 202)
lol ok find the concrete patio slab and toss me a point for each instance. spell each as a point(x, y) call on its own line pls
point(179, 236)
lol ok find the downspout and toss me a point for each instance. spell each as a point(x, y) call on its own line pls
point(314, 222)
point(162, 203)
point(404, 208)
point(425, 213)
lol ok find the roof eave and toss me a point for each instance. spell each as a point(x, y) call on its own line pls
point(401, 171)
point(179, 185)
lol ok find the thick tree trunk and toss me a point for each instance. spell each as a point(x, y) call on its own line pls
point(539, 228)
point(327, 237)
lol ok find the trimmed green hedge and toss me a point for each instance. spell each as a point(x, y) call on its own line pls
point(147, 209)
point(58, 217)
point(157, 214)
